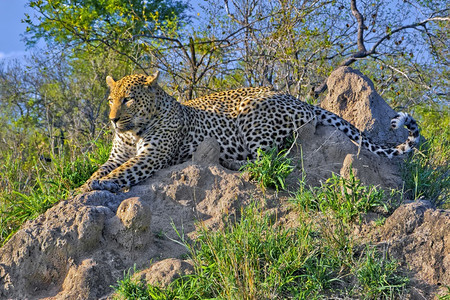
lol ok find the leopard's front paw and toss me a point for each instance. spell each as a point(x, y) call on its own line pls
point(108, 185)
point(84, 188)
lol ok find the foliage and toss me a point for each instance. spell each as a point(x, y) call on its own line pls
point(346, 198)
point(426, 171)
point(291, 45)
point(64, 102)
point(28, 190)
point(92, 23)
point(270, 168)
point(377, 277)
point(256, 258)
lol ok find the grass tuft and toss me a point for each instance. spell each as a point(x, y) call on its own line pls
point(270, 169)
point(377, 277)
point(347, 198)
point(127, 288)
point(427, 172)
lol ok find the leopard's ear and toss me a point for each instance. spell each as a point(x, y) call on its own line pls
point(110, 82)
point(152, 79)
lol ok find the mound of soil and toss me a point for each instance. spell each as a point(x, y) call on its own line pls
point(418, 235)
point(83, 245)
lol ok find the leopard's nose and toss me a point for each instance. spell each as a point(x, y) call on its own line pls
point(115, 120)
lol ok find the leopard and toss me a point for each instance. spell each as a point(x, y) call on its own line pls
point(152, 130)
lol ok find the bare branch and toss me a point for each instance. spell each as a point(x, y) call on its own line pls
point(363, 53)
point(360, 19)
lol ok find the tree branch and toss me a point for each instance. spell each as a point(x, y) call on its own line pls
point(362, 51)
point(360, 19)
point(414, 25)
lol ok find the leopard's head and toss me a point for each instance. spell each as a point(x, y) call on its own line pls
point(132, 101)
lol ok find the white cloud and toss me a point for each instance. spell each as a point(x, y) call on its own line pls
point(12, 55)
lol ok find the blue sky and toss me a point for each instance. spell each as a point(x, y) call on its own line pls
point(11, 28)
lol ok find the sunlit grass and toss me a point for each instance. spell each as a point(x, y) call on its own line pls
point(256, 258)
point(346, 198)
point(270, 168)
point(29, 190)
point(427, 171)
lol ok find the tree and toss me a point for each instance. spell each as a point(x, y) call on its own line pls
point(292, 45)
point(62, 98)
point(302, 41)
point(145, 33)
point(91, 25)
point(388, 42)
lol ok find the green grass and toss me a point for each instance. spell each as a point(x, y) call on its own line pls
point(427, 172)
point(29, 189)
point(257, 258)
point(270, 169)
point(130, 289)
point(346, 198)
point(377, 277)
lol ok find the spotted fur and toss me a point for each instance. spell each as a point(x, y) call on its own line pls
point(153, 130)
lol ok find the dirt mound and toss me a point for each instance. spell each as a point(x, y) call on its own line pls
point(82, 246)
point(418, 235)
point(325, 150)
point(328, 151)
point(352, 96)
point(165, 271)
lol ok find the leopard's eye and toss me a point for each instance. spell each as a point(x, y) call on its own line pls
point(126, 100)
point(110, 100)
